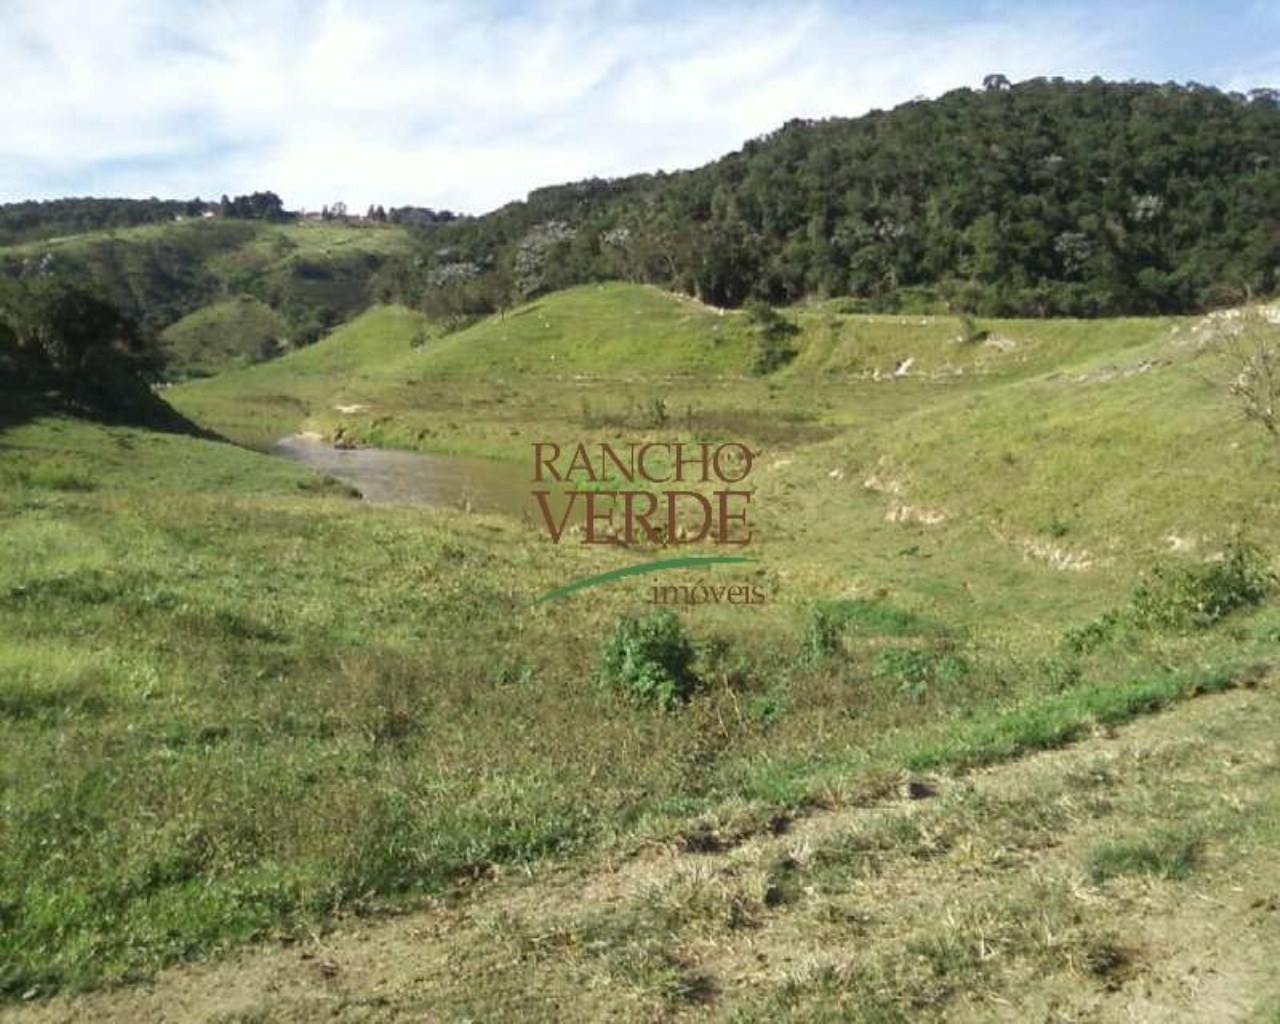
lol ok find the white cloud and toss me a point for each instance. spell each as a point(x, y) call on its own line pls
point(454, 104)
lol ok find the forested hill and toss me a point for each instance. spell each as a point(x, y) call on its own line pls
point(1041, 198)
point(64, 347)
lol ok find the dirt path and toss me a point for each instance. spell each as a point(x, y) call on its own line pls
point(1133, 876)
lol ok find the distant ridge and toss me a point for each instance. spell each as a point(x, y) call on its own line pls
point(1041, 198)
point(1037, 199)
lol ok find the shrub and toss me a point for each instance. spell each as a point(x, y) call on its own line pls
point(917, 669)
point(1199, 596)
point(1092, 635)
point(774, 347)
point(822, 631)
point(829, 620)
point(1255, 375)
point(649, 660)
point(1182, 597)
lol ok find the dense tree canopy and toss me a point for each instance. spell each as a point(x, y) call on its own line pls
point(1041, 198)
point(66, 344)
point(257, 206)
point(56, 327)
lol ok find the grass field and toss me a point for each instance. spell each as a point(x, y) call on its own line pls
point(236, 704)
point(301, 238)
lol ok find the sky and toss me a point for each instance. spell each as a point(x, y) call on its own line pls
point(469, 104)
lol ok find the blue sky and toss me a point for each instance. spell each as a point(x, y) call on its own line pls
point(466, 105)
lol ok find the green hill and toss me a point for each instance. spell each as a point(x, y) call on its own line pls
point(1040, 198)
point(238, 706)
point(310, 276)
point(1074, 439)
point(975, 540)
point(235, 332)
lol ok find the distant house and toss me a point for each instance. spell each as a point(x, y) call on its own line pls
point(208, 215)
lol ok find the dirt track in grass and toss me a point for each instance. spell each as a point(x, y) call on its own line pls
point(1132, 876)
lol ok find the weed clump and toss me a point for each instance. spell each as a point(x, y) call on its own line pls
point(1164, 854)
point(1197, 597)
point(823, 626)
point(1174, 597)
point(918, 670)
point(649, 660)
point(827, 622)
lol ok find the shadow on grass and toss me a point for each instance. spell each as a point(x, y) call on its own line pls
point(134, 405)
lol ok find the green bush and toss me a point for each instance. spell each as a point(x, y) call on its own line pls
point(1177, 597)
point(827, 621)
point(774, 346)
point(1196, 597)
point(916, 670)
point(1092, 635)
point(649, 660)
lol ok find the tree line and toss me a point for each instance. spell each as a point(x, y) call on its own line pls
point(1041, 198)
point(33, 220)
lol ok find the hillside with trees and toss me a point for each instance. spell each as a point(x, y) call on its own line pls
point(1042, 198)
point(309, 277)
point(32, 220)
point(1038, 199)
point(66, 347)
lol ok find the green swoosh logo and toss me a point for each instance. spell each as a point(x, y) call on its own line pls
point(684, 562)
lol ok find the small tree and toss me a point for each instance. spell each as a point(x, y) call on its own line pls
point(774, 349)
point(1257, 386)
point(649, 660)
point(537, 255)
point(1253, 354)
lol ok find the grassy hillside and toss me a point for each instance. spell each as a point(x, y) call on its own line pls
point(1021, 536)
point(312, 276)
point(235, 332)
point(1085, 883)
point(71, 456)
point(392, 360)
point(1097, 440)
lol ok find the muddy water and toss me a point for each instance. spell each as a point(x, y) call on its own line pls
point(455, 481)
